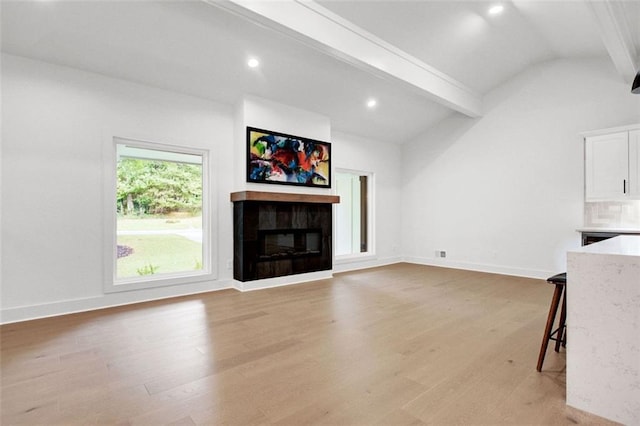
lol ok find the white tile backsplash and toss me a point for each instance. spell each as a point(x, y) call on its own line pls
point(612, 214)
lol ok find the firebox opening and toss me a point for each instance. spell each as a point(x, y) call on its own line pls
point(281, 243)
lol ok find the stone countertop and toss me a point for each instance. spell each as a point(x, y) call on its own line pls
point(623, 245)
point(603, 328)
point(611, 230)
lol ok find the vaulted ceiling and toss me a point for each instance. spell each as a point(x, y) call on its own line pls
point(421, 60)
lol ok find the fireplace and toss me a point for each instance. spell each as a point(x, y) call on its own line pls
point(281, 234)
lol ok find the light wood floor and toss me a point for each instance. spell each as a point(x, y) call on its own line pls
point(398, 345)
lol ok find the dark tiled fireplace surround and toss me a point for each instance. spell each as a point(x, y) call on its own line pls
point(279, 234)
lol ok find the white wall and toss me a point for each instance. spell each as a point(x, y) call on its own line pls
point(381, 159)
point(265, 114)
point(504, 192)
point(55, 122)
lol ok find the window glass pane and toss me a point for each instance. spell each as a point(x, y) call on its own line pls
point(352, 213)
point(364, 213)
point(159, 212)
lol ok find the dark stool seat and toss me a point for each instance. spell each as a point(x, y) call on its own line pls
point(558, 335)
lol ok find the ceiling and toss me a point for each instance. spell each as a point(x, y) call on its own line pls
point(421, 60)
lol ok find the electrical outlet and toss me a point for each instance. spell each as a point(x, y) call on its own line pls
point(441, 253)
point(229, 264)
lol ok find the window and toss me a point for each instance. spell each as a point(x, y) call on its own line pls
point(353, 215)
point(161, 215)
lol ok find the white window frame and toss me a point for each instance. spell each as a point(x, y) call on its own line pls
point(371, 238)
point(113, 284)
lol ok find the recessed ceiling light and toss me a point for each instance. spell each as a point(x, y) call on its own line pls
point(253, 63)
point(497, 9)
point(371, 103)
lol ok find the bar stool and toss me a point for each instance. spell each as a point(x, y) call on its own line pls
point(559, 335)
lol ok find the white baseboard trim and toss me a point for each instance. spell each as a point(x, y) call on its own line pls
point(355, 265)
point(281, 281)
point(108, 300)
point(481, 267)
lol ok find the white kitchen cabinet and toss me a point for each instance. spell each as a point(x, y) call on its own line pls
point(634, 164)
point(612, 164)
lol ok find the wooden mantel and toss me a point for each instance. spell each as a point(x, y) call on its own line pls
point(283, 197)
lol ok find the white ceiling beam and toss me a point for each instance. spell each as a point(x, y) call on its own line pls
point(614, 30)
point(315, 25)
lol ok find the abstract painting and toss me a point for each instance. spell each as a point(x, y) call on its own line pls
point(274, 157)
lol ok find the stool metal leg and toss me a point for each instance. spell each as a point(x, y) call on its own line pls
point(561, 337)
point(555, 301)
